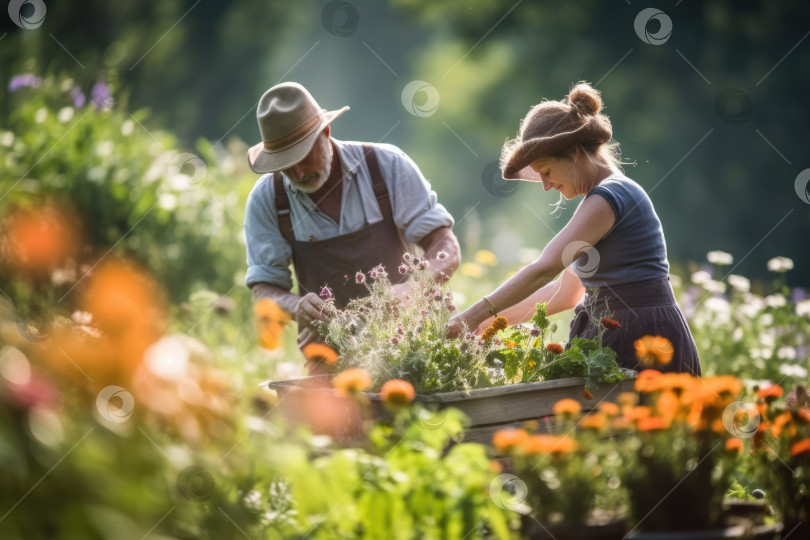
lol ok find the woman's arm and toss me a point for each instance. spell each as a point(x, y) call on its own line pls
point(563, 293)
point(592, 220)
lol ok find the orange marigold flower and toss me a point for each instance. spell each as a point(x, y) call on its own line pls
point(556, 348)
point(587, 393)
point(397, 392)
point(505, 439)
point(668, 404)
point(610, 323)
point(654, 350)
point(735, 444)
point(774, 392)
point(351, 381)
point(593, 421)
point(782, 421)
point(800, 447)
point(608, 408)
point(648, 380)
point(720, 384)
point(499, 323)
point(319, 351)
point(638, 412)
point(627, 398)
point(567, 406)
point(653, 423)
point(511, 345)
point(549, 444)
point(803, 415)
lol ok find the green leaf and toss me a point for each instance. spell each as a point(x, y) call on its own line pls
point(602, 367)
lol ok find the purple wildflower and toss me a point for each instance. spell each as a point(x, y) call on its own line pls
point(407, 257)
point(79, 99)
point(26, 80)
point(403, 269)
point(535, 332)
point(101, 95)
point(326, 293)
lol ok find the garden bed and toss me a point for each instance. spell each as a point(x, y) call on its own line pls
point(311, 400)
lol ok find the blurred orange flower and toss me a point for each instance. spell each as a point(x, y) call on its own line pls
point(587, 393)
point(320, 352)
point(271, 320)
point(397, 392)
point(654, 350)
point(567, 406)
point(735, 444)
point(608, 408)
point(593, 421)
point(649, 380)
point(638, 412)
point(556, 348)
point(773, 392)
point(38, 238)
point(800, 447)
point(351, 381)
point(506, 439)
point(549, 444)
point(653, 423)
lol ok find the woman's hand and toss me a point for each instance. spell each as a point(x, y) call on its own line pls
point(455, 326)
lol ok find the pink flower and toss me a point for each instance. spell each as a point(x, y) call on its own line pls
point(360, 278)
point(451, 307)
point(422, 264)
point(403, 269)
point(407, 257)
point(395, 340)
point(326, 293)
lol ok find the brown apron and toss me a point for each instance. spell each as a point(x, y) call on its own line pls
point(333, 262)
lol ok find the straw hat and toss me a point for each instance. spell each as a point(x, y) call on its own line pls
point(289, 121)
point(551, 127)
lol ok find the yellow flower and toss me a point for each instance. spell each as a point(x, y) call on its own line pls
point(472, 270)
point(397, 393)
point(486, 257)
point(319, 352)
point(271, 321)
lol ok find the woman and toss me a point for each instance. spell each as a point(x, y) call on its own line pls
point(614, 240)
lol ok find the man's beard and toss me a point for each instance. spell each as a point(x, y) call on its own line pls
point(314, 180)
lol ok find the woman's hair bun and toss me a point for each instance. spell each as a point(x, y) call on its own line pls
point(586, 98)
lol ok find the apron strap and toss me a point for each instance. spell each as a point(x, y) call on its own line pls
point(283, 209)
point(377, 183)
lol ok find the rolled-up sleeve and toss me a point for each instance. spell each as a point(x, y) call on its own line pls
point(415, 205)
point(268, 254)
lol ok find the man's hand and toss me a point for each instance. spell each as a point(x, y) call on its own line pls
point(306, 336)
point(309, 310)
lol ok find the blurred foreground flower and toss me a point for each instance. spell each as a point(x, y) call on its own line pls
point(37, 239)
point(271, 320)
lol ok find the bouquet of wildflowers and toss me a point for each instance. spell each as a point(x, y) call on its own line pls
point(393, 338)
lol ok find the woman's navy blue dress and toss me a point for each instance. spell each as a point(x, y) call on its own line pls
point(627, 272)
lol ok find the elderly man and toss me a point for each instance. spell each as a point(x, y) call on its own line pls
point(333, 208)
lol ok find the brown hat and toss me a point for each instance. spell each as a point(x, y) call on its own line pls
point(554, 126)
point(290, 121)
